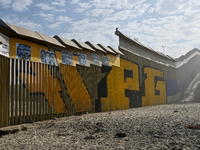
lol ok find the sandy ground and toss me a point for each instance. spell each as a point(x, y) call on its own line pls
point(153, 127)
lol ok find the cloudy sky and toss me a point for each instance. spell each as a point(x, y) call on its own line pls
point(174, 24)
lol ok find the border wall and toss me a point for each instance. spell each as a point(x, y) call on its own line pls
point(43, 77)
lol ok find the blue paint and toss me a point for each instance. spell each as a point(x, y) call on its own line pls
point(172, 87)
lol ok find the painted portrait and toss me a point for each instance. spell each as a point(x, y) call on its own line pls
point(82, 59)
point(23, 51)
point(4, 47)
point(106, 60)
point(96, 59)
point(47, 57)
point(67, 58)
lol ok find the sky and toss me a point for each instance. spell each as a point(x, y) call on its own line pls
point(172, 24)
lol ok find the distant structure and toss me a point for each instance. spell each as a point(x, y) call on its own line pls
point(135, 38)
point(163, 49)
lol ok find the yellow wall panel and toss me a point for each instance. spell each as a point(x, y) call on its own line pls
point(76, 89)
point(58, 56)
point(114, 60)
point(116, 86)
point(75, 60)
point(35, 48)
point(58, 105)
point(150, 97)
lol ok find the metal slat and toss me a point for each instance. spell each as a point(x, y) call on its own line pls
point(8, 91)
point(34, 91)
point(40, 89)
point(53, 99)
point(48, 93)
point(12, 91)
point(23, 92)
point(37, 90)
point(59, 108)
point(55, 105)
point(60, 105)
point(59, 79)
point(1, 92)
point(20, 91)
point(52, 78)
point(43, 100)
point(46, 100)
point(27, 90)
point(65, 79)
point(16, 92)
point(31, 90)
point(5, 75)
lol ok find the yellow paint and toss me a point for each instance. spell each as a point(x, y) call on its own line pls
point(75, 60)
point(114, 60)
point(116, 86)
point(51, 93)
point(150, 98)
point(35, 48)
point(59, 56)
point(76, 89)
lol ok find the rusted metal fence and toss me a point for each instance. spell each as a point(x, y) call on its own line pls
point(29, 92)
point(4, 91)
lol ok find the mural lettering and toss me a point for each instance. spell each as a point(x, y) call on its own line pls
point(95, 88)
point(154, 86)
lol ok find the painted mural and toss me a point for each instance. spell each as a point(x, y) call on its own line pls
point(95, 88)
point(4, 47)
point(23, 51)
point(67, 58)
point(106, 60)
point(82, 59)
point(47, 57)
point(96, 59)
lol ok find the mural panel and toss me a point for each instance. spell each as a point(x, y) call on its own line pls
point(23, 51)
point(154, 87)
point(67, 58)
point(117, 82)
point(106, 60)
point(82, 59)
point(4, 47)
point(96, 59)
point(47, 57)
point(96, 89)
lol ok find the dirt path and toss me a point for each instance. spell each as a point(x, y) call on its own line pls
point(155, 127)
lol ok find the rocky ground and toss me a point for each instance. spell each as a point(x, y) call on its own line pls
point(153, 127)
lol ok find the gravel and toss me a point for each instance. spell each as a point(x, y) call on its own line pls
point(152, 127)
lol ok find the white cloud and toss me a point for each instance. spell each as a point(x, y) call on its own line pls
point(5, 3)
point(173, 7)
point(151, 10)
point(108, 4)
point(46, 6)
point(59, 21)
point(47, 17)
point(21, 5)
point(128, 14)
point(55, 25)
point(23, 22)
point(95, 31)
point(59, 2)
point(83, 6)
point(100, 12)
point(97, 38)
point(74, 1)
point(63, 19)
